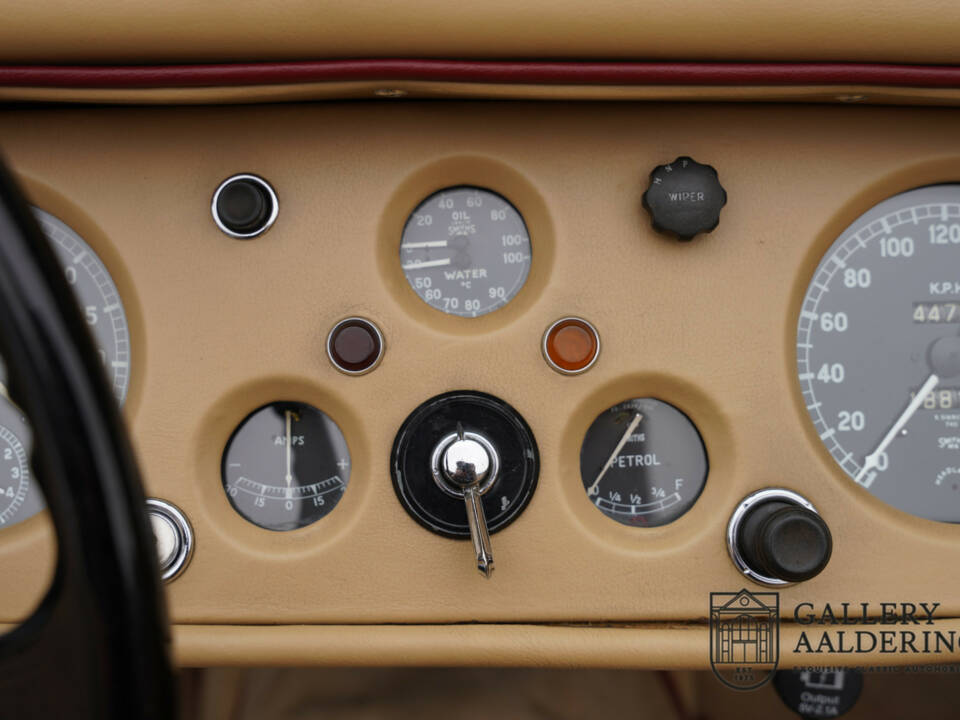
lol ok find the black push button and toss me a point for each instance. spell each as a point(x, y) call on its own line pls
point(684, 198)
point(244, 206)
point(784, 541)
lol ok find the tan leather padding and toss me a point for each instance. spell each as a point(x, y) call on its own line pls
point(643, 647)
point(410, 89)
point(923, 31)
point(221, 326)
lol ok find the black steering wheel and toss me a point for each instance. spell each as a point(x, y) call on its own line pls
point(97, 646)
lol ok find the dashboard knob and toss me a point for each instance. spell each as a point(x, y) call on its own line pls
point(244, 206)
point(466, 463)
point(785, 541)
point(684, 198)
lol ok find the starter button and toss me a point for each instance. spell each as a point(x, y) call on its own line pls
point(244, 206)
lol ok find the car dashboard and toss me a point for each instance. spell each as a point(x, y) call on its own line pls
point(229, 363)
point(511, 334)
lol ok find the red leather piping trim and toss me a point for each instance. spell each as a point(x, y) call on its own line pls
point(497, 72)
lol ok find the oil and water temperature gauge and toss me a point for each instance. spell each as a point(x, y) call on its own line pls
point(286, 466)
point(466, 251)
point(643, 463)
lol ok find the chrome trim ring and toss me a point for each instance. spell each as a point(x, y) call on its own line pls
point(736, 520)
point(546, 354)
point(436, 462)
point(184, 537)
point(274, 204)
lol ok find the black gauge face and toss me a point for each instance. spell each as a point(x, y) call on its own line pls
point(643, 463)
point(466, 251)
point(878, 351)
point(286, 466)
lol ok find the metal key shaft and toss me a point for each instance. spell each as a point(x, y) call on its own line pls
point(465, 465)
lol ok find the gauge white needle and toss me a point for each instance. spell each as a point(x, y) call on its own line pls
point(289, 477)
point(873, 459)
point(428, 264)
point(595, 488)
point(427, 244)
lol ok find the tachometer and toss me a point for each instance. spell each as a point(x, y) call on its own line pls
point(878, 351)
point(466, 251)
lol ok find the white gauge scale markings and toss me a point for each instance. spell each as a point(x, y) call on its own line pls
point(15, 480)
point(299, 492)
point(99, 300)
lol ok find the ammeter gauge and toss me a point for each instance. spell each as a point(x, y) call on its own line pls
point(643, 463)
point(286, 466)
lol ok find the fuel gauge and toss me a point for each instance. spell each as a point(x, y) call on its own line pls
point(643, 463)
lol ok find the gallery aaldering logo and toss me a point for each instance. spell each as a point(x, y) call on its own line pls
point(744, 637)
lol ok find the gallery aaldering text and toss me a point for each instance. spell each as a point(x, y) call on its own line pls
point(906, 634)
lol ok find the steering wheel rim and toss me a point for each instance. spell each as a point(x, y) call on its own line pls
point(97, 646)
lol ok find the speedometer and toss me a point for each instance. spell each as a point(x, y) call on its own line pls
point(466, 251)
point(878, 351)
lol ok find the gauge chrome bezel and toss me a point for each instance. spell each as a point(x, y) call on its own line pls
point(737, 518)
point(263, 184)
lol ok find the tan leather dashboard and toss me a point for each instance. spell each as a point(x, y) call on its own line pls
point(183, 31)
point(221, 326)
